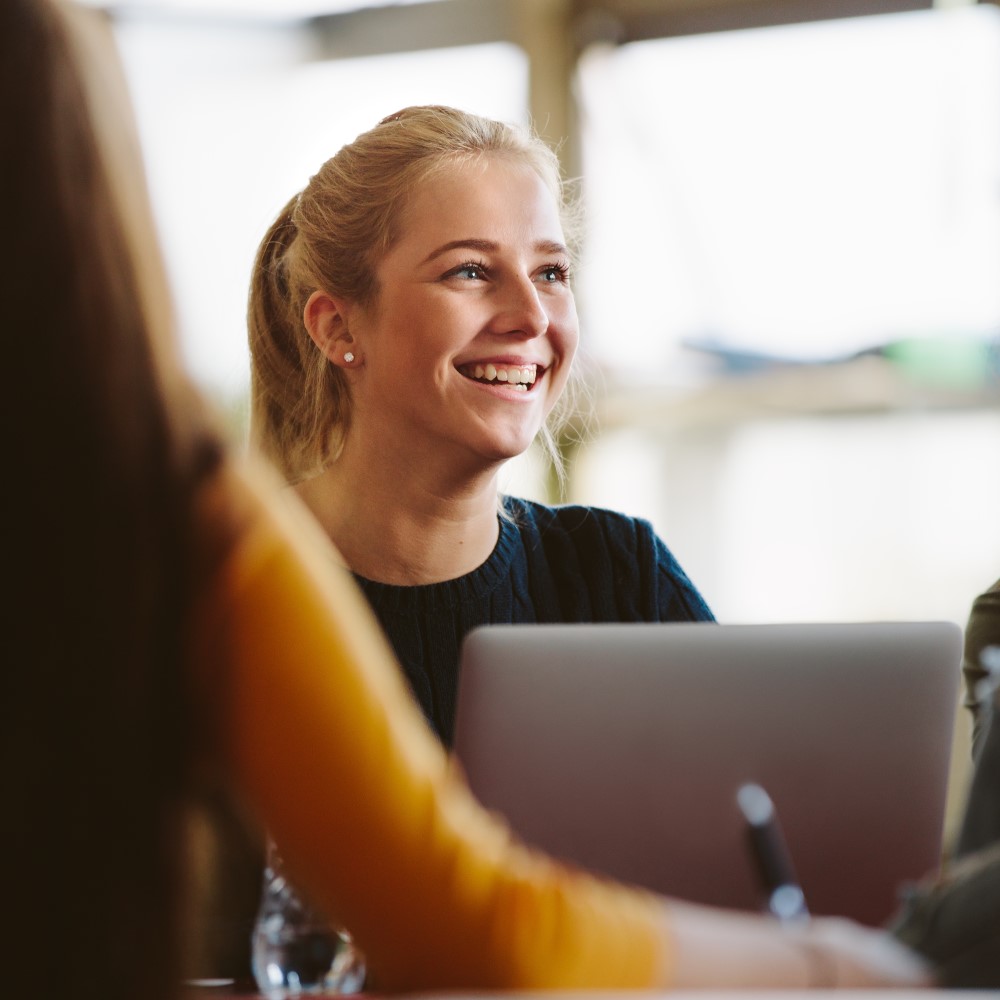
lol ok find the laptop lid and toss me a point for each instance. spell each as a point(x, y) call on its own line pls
point(621, 748)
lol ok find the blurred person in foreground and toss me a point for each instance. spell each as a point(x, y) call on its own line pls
point(176, 622)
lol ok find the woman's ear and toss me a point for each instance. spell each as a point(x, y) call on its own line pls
point(325, 319)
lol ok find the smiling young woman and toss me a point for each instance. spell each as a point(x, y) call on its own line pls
point(412, 326)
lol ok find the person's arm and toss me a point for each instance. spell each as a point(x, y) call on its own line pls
point(374, 821)
point(724, 949)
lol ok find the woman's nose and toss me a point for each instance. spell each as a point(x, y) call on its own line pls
point(521, 309)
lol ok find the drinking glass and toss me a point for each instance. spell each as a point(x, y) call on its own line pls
point(296, 951)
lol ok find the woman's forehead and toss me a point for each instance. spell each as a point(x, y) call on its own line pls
point(500, 193)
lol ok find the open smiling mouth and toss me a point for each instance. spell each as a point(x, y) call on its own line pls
point(519, 377)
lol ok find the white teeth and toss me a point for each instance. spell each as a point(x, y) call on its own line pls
point(519, 377)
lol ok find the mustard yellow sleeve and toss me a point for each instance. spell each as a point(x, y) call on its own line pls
point(327, 746)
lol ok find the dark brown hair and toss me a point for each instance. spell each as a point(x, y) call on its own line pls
point(103, 455)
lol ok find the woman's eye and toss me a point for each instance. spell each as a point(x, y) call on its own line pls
point(554, 273)
point(473, 272)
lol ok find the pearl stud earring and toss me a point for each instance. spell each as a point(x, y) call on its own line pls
point(348, 357)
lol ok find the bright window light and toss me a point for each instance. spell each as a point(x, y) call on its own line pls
point(805, 191)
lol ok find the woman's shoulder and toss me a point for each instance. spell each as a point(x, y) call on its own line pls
point(626, 569)
point(577, 519)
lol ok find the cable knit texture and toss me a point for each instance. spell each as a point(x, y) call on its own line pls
point(550, 564)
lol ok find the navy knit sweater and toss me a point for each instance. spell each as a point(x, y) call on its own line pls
point(550, 564)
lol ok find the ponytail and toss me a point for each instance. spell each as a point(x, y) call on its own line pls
point(298, 401)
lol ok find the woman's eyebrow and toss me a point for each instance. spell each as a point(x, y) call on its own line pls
point(490, 246)
point(469, 243)
point(552, 247)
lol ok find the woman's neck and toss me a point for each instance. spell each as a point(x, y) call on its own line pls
point(404, 527)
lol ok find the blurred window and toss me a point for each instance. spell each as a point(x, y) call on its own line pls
point(805, 191)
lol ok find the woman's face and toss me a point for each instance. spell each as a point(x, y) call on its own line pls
point(470, 341)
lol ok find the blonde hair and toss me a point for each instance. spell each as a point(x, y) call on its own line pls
point(332, 236)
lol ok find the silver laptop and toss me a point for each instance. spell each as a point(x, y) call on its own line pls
point(621, 748)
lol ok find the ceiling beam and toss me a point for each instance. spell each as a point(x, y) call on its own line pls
point(553, 33)
point(436, 24)
point(621, 21)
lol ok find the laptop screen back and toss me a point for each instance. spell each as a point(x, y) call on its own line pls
point(621, 748)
